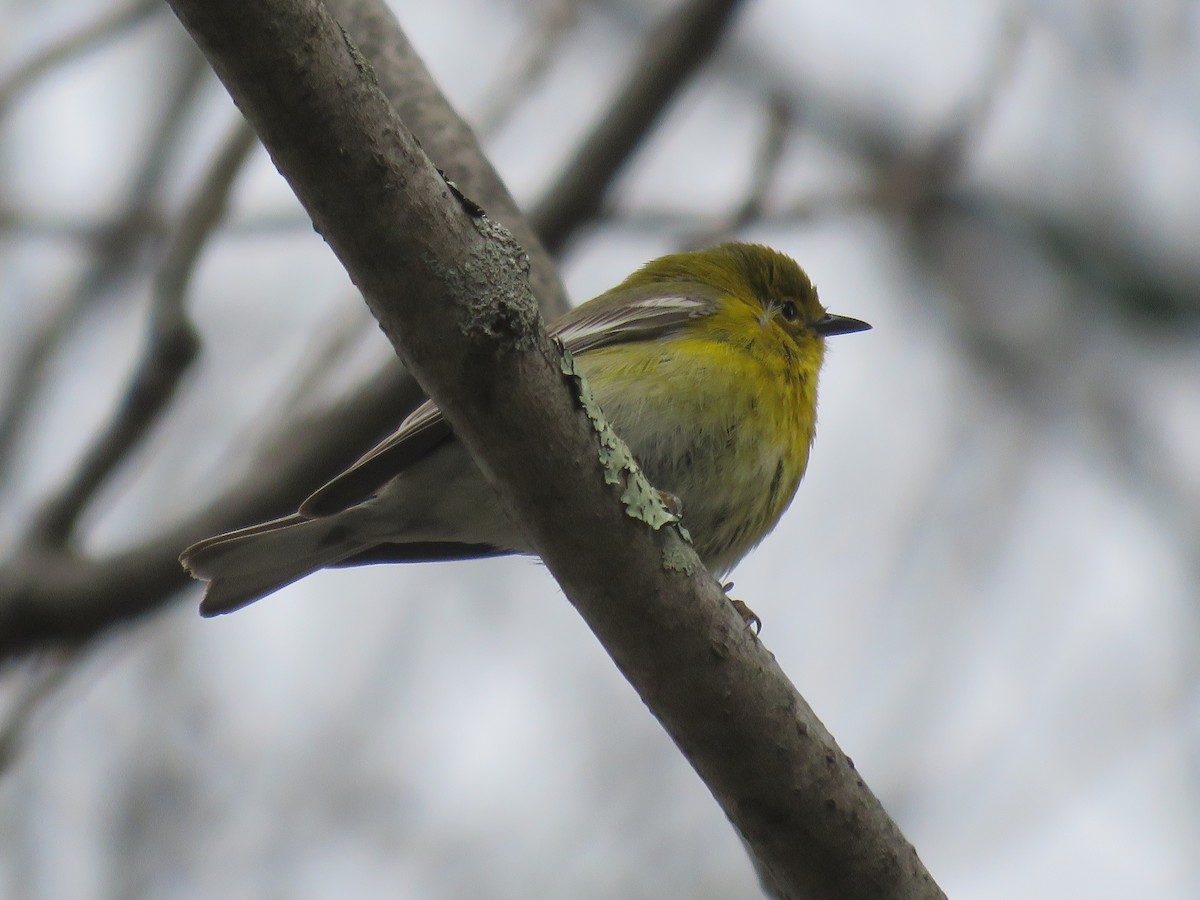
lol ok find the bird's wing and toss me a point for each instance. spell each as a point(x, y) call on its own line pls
point(423, 430)
point(618, 317)
point(630, 315)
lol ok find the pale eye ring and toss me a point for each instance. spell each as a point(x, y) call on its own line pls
point(788, 310)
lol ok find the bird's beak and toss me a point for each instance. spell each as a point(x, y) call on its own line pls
point(831, 324)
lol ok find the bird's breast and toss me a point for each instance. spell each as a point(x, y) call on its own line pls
point(713, 426)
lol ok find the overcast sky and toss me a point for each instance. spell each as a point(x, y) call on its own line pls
point(986, 587)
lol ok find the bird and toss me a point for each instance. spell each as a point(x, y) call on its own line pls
point(706, 364)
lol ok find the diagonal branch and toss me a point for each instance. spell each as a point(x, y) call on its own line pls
point(555, 21)
point(171, 344)
point(672, 52)
point(762, 177)
point(449, 141)
point(454, 284)
point(116, 251)
point(50, 596)
point(106, 27)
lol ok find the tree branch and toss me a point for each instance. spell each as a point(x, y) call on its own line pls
point(762, 176)
point(443, 134)
point(50, 596)
point(171, 344)
point(454, 285)
point(555, 21)
point(106, 27)
point(115, 255)
point(670, 55)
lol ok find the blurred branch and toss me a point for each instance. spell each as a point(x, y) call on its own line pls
point(151, 225)
point(1100, 262)
point(917, 183)
point(766, 163)
point(671, 53)
point(331, 344)
point(52, 597)
point(1101, 251)
point(438, 272)
point(910, 180)
point(49, 596)
point(1137, 450)
point(762, 176)
point(33, 224)
point(116, 255)
point(171, 344)
point(1108, 260)
point(1059, 364)
point(105, 28)
point(555, 21)
point(38, 682)
point(703, 230)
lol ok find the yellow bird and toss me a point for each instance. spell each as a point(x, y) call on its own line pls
point(705, 363)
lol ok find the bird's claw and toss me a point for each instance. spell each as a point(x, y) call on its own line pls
point(673, 504)
point(747, 614)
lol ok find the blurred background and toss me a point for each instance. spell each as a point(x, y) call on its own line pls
point(988, 586)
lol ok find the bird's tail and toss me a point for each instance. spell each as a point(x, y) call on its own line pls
point(246, 565)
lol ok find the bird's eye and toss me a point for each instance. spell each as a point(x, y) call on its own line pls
point(789, 311)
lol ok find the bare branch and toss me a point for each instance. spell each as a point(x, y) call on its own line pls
point(434, 269)
point(686, 222)
point(443, 134)
point(670, 55)
point(762, 176)
point(171, 344)
point(331, 344)
point(37, 683)
point(106, 27)
point(555, 21)
point(18, 222)
point(51, 597)
point(116, 254)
